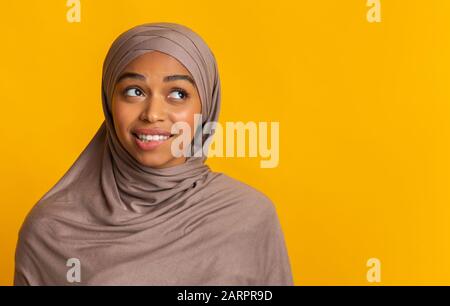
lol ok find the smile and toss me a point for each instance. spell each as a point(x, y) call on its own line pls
point(149, 142)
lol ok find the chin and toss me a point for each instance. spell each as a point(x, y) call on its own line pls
point(154, 162)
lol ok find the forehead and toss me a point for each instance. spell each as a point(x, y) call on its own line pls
point(156, 62)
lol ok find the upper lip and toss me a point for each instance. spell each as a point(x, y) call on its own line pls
point(152, 131)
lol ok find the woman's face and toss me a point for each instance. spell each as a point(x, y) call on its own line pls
point(153, 92)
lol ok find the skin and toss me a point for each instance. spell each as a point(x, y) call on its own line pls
point(151, 102)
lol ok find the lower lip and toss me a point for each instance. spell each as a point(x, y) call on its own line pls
point(149, 145)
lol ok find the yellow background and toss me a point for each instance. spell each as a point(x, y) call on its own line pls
point(364, 112)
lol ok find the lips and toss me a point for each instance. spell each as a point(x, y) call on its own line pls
point(151, 131)
point(137, 136)
point(148, 145)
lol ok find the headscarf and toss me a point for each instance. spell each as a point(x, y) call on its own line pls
point(127, 223)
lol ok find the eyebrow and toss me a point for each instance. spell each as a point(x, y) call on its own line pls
point(169, 78)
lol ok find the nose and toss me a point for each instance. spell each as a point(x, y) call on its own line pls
point(154, 110)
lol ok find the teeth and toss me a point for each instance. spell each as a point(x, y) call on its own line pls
point(152, 137)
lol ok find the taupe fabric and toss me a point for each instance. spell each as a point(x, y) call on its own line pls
point(129, 224)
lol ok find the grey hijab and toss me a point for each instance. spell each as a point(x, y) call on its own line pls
point(124, 223)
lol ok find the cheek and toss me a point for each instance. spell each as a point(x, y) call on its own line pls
point(123, 116)
point(186, 115)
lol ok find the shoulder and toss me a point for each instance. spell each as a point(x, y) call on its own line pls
point(38, 220)
point(244, 196)
point(237, 211)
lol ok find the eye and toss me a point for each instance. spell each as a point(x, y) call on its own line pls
point(180, 94)
point(133, 92)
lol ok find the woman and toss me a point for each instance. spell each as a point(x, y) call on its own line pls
point(129, 211)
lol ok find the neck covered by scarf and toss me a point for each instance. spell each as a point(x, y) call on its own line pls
point(110, 220)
